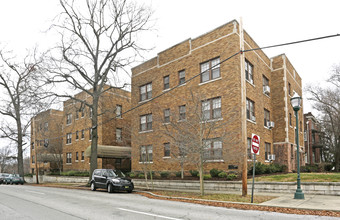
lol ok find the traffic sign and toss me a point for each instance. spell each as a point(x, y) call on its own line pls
point(255, 144)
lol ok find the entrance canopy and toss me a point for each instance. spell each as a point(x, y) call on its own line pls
point(107, 151)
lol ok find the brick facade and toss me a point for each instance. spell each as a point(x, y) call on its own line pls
point(80, 123)
point(189, 56)
point(313, 139)
point(46, 141)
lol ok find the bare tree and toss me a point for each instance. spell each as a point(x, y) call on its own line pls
point(327, 102)
point(21, 99)
point(5, 158)
point(98, 40)
point(199, 133)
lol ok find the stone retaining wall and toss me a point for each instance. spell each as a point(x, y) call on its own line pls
point(327, 188)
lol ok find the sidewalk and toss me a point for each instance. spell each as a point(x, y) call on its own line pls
point(313, 202)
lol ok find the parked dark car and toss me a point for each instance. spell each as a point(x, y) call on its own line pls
point(112, 180)
point(14, 178)
point(2, 177)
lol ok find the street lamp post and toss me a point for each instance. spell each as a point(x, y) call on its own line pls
point(296, 104)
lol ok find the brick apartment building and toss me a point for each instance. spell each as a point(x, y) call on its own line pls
point(313, 139)
point(248, 93)
point(46, 149)
point(114, 149)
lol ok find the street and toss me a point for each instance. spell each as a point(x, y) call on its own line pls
point(31, 202)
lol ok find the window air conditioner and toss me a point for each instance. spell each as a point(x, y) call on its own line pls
point(266, 89)
point(270, 124)
point(271, 157)
point(253, 118)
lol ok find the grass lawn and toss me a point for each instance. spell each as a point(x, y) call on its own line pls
point(218, 197)
point(305, 177)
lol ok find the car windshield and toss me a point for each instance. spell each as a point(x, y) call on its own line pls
point(111, 173)
point(119, 173)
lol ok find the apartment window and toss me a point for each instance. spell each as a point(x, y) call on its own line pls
point(289, 89)
point(77, 156)
point(68, 119)
point(91, 112)
point(266, 88)
point(212, 149)
point(167, 150)
point(250, 110)
point(182, 112)
point(68, 157)
point(146, 153)
point(68, 138)
point(210, 70)
point(32, 144)
point(181, 76)
point(118, 134)
point(77, 115)
point(249, 71)
point(77, 135)
point(249, 149)
point(267, 150)
point(82, 155)
point(82, 134)
point(82, 112)
point(46, 142)
point(291, 151)
point(90, 134)
point(211, 109)
point(166, 115)
point(145, 92)
point(290, 119)
point(119, 111)
point(266, 117)
point(46, 126)
point(146, 122)
point(166, 82)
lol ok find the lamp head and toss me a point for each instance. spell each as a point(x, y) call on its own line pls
point(295, 101)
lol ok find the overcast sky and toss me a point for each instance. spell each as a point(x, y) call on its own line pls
point(23, 24)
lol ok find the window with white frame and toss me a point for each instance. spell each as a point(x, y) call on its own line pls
point(77, 135)
point(68, 157)
point(182, 112)
point(267, 150)
point(77, 115)
point(82, 134)
point(167, 115)
point(167, 150)
point(118, 134)
point(249, 71)
point(166, 82)
point(250, 110)
point(77, 156)
point(210, 70)
point(211, 109)
point(82, 112)
point(181, 76)
point(266, 117)
point(82, 155)
point(68, 138)
point(145, 122)
point(119, 109)
point(145, 92)
point(146, 153)
point(212, 149)
point(68, 119)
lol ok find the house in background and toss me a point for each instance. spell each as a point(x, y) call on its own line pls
point(248, 94)
point(313, 139)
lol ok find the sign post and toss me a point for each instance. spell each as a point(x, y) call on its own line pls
point(255, 150)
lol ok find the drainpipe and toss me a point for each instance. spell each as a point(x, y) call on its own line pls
point(308, 136)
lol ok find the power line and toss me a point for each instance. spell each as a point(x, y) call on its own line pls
point(180, 85)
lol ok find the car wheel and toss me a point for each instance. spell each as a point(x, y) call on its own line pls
point(110, 188)
point(11, 183)
point(22, 183)
point(129, 191)
point(93, 187)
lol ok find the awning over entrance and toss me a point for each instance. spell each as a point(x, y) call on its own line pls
point(107, 151)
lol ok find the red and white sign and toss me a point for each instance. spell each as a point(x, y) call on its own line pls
point(255, 144)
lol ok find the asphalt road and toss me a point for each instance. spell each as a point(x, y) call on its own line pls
point(31, 202)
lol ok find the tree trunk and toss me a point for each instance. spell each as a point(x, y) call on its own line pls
point(201, 180)
point(94, 142)
point(19, 156)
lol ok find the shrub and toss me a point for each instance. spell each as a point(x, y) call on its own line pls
point(29, 175)
point(141, 175)
point(328, 167)
point(214, 172)
point(132, 175)
point(193, 173)
point(270, 168)
point(206, 176)
point(165, 174)
point(232, 176)
point(222, 175)
point(178, 174)
point(311, 168)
